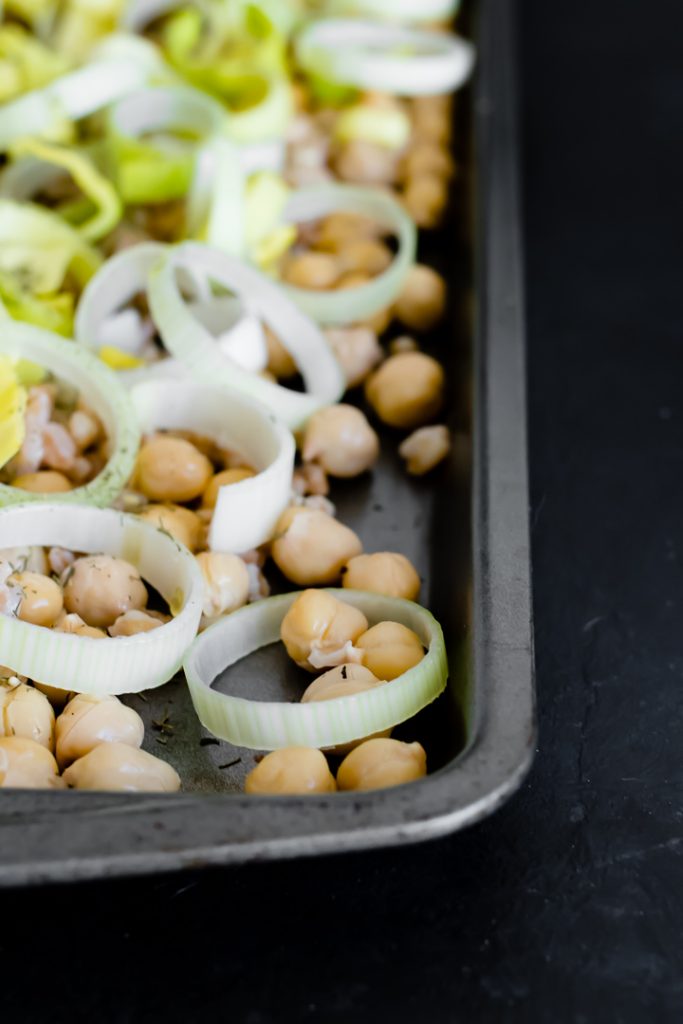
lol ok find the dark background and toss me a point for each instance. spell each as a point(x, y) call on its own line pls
point(567, 904)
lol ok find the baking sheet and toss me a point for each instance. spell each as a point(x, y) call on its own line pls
point(465, 528)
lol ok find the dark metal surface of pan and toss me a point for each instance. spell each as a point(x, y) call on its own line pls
point(466, 529)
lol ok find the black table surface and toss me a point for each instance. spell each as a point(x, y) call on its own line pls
point(567, 904)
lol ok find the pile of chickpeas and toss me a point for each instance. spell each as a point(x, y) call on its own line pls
point(88, 595)
point(321, 632)
point(64, 444)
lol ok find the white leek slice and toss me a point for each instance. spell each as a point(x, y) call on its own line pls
point(101, 319)
point(57, 159)
point(111, 665)
point(386, 58)
point(268, 725)
point(148, 168)
point(353, 304)
point(246, 512)
point(117, 70)
point(116, 283)
point(100, 389)
point(190, 341)
point(396, 10)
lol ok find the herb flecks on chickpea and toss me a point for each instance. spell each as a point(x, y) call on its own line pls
point(292, 770)
point(344, 681)
point(42, 599)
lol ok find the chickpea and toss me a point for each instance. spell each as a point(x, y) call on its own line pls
point(25, 764)
point(46, 481)
point(357, 350)
point(316, 270)
point(133, 622)
point(422, 301)
point(407, 389)
point(224, 479)
point(365, 256)
point(428, 158)
point(100, 588)
point(226, 582)
point(182, 523)
point(338, 229)
point(26, 712)
point(310, 547)
point(385, 572)
point(84, 428)
point(425, 449)
point(344, 681)
point(42, 598)
point(366, 163)
point(341, 440)
point(389, 649)
point(117, 767)
point(73, 623)
point(425, 199)
point(87, 721)
point(172, 469)
point(291, 770)
point(319, 630)
point(280, 362)
point(379, 763)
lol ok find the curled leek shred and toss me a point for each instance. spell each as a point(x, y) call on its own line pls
point(41, 250)
point(385, 126)
point(12, 409)
point(246, 512)
point(83, 23)
point(53, 312)
point(105, 665)
point(213, 43)
point(193, 344)
point(267, 238)
point(26, 63)
point(154, 136)
point(119, 65)
point(97, 189)
point(235, 52)
point(100, 389)
point(269, 725)
point(354, 304)
point(386, 58)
